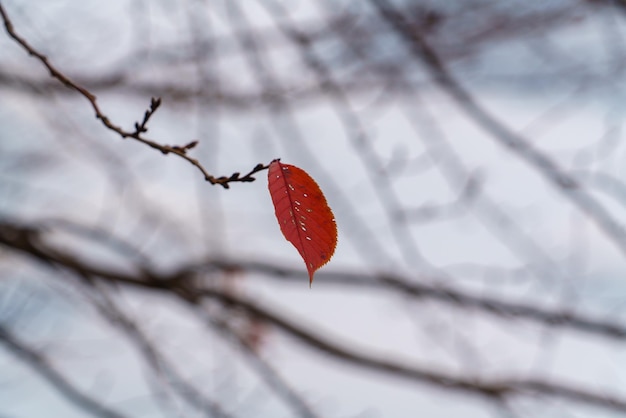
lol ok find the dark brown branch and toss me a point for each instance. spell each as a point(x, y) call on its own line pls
point(140, 128)
point(27, 241)
point(406, 287)
point(40, 365)
point(497, 389)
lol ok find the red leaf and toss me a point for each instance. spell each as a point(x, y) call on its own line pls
point(303, 214)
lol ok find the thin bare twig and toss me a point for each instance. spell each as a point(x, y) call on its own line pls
point(140, 128)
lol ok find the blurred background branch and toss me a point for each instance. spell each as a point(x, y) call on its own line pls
point(471, 151)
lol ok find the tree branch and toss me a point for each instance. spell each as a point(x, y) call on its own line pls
point(440, 293)
point(140, 128)
point(495, 389)
point(179, 286)
point(27, 240)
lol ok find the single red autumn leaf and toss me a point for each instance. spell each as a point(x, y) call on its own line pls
point(304, 217)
